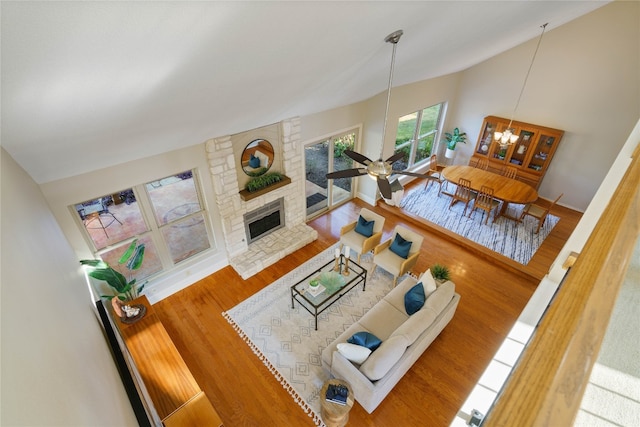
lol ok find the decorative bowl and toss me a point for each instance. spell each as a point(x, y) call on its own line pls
point(332, 280)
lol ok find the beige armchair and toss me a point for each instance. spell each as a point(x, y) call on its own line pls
point(356, 241)
point(386, 259)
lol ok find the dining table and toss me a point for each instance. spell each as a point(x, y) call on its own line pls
point(508, 190)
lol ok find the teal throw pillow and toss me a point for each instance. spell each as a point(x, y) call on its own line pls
point(365, 339)
point(364, 227)
point(254, 161)
point(414, 299)
point(400, 246)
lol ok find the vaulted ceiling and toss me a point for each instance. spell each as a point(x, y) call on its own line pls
point(87, 85)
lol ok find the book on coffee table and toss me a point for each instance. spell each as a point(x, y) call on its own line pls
point(316, 290)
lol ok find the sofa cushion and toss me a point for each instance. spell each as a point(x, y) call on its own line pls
point(400, 246)
point(415, 325)
point(428, 282)
point(364, 227)
point(439, 299)
point(384, 358)
point(355, 353)
point(365, 339)
point(382, 319)
point(414, 299)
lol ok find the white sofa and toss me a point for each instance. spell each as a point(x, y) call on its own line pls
point(404, 339)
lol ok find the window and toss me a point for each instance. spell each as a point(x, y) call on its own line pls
point(167, 215)
point(416, 136)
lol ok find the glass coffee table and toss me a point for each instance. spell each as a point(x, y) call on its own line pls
point(333, 285)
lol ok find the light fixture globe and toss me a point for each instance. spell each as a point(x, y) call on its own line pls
point(379, 168)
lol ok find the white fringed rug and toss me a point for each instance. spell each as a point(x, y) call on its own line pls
point(285, 338)
point(514, 240)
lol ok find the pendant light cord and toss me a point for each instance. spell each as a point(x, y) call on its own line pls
point(526, 77)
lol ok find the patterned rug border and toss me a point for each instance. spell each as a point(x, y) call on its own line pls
point(274, 371)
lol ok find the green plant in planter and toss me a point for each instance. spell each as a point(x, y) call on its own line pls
point(126, 289)
point(440, 272)
point(454, 138)
point(263, 181)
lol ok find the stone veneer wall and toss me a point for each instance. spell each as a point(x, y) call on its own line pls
point(249, 259)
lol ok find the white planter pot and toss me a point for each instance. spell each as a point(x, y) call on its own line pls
point(450, 154)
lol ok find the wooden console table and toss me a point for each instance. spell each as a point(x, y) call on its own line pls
point(174, 395)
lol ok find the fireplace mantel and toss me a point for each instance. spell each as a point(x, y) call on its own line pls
point(247, 195)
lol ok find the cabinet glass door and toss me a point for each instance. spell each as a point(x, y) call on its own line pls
point(541, 154)
point(486, 138)
point(521, 148)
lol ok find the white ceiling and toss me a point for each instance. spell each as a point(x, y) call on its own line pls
point(87, 85)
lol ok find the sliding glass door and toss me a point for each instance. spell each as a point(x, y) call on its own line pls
point(322, 157)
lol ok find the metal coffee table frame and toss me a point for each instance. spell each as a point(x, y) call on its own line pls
point(315, 305)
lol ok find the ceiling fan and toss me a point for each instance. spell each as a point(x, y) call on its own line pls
point(380, 170)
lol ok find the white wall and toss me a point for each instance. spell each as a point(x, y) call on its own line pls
point(585, 81)
point(56, 366)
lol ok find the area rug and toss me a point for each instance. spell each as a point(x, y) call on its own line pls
point(285, 338)
point(315, 198)
point(512, 239)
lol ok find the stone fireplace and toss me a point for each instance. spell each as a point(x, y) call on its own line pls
point(246, 255)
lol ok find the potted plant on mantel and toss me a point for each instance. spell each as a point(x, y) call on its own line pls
point(452, 140)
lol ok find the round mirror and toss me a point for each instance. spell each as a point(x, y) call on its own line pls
point(257, 157)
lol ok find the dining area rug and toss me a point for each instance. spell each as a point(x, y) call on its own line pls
point(515, 240)
point(285, 339)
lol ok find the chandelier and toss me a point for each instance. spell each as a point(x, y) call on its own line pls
point(508, 136)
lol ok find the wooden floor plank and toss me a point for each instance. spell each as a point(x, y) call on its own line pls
point(245, 393)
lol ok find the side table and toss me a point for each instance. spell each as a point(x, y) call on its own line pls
point(335, 414)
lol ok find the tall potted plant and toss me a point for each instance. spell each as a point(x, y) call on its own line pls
point(452, 141)
point(125, 288)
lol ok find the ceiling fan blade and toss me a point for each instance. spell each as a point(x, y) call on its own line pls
point(385, 187)
point(347, 173)
point(395, 157)
point(419, 175)
point(357, 157)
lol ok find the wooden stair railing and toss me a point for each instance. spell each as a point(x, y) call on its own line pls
point(549, 380)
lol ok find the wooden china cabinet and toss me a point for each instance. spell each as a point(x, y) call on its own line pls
point(531, 154)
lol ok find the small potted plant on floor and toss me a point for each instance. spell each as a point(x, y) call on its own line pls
point(440, 273)
point(452, 141)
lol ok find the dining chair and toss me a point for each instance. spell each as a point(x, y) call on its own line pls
point(510, 172)
point(539, 212)
point(482, 164)
point(485, 201)
point(399, 254)
point(463, 194)
point(361, 235)
point(434, 172)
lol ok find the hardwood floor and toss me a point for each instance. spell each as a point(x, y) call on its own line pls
point(245, 393)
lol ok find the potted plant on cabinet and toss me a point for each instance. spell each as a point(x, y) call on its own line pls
point(452, 141)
